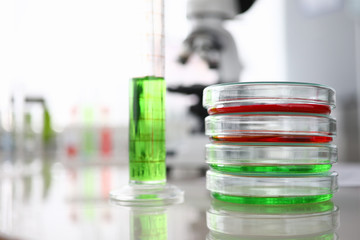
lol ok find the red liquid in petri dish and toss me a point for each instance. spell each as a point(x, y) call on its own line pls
point(275, 139)
point(300, 108)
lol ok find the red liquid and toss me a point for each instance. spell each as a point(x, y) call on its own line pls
point(275, 138)
point(106, 142)
point(300, 108)
point(71, 151)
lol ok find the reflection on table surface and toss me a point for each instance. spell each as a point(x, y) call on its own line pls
point(59, 201)
point(298, 221)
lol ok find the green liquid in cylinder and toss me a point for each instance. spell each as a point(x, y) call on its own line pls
point(147, 150)
point(273, 169)
point(271, 200)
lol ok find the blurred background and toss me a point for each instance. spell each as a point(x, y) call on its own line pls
point(69, 60)
point(64, 74)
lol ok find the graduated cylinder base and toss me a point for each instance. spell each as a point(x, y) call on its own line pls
point(145, 195)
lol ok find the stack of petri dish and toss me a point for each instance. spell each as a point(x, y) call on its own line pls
point(271, 142)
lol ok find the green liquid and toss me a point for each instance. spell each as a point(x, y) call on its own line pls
point(147, 148)
point(271, 200)
point(148, 225)
point(273, 169)
point(292, 209)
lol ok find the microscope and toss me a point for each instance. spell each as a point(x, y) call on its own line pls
point(210, 40)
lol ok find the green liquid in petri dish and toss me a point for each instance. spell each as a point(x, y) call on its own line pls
point(147, 150)
point(272, 169)
point(293, 209)
point(271, 200)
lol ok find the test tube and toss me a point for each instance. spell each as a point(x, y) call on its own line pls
point(147, 148)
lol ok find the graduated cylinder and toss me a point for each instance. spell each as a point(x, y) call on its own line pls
point(147, 150)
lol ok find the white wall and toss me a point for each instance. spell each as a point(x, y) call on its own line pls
point(320, 48)
point(259, 34)
point(76, 52)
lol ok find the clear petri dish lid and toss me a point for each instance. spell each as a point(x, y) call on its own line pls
point(269, 96)
point(249, 127)
point(298, 220)
point(265, 186)
point(262, 154)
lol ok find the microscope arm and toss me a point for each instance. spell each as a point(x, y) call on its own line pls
point(210, 40)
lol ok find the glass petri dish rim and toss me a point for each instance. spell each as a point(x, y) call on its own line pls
point(274, 113)
point(286, 209)
point(215, 95)
point(273, 83)
point(231, 154)
point(230, 123)
point(279, 177)
point(264, 185)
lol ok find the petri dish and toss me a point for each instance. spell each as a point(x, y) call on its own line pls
point(270, 189)
point(271, 158)
point(298, 221)
point(271, 127)
point(269, 97)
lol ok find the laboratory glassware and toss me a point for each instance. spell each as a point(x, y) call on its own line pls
point(271, 127)
point(270, 142)
point(269, 189)
point(269, 97)
point(147, 149)
point(271, 158)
